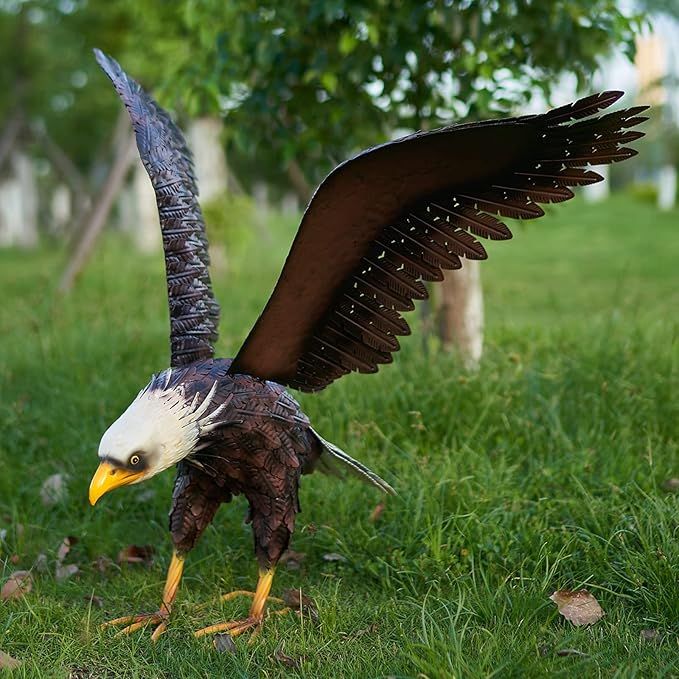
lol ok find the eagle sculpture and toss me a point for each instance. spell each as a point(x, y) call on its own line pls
point(379, 227)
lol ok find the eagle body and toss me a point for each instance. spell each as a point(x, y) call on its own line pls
point(258, 446)
point(380, 228)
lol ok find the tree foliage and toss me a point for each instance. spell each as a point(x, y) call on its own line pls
point(305, 80)
point(313, 80)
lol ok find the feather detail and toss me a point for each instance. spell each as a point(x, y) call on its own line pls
point(400, 214)
point(335, 461)
point(194, 312)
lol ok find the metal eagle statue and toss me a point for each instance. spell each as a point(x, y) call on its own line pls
point(377, 228)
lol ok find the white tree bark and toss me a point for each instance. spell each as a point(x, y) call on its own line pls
point(205, 139)
point(667, 187)
point(60, 208)
point(461, 312)
point(146, 229)
point(596, 193)
point(19, 205)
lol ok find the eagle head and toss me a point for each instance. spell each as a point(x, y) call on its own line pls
point(161, 427)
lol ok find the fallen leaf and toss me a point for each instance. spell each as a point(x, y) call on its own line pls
point(293, 663)
point(293, 560)
point(94, 600)
point(53, 490)
point(137, 554)
point(370, 629)
point(332, 557)
point(18, 584)
point(102, 563)
point(672, 485)
point(224, 643)
point(301, 603)
point(7, 662)
point(578, 607)
point(64, 572)
point(651, 635)
point(146, 495)
point(40, 564)
point(14, 559)
point(376, 513)
point(565, 652)
point(65, 548)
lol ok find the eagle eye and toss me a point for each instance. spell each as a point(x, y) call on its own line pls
point(134, 460)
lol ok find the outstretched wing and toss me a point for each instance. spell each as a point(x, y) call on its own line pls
point(398, 214)
point(194, 312)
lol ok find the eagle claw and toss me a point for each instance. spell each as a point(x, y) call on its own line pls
point(135, 622)
point(235, 627)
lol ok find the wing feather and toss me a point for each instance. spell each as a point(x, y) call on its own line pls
point(194, 312)
point(401, 213)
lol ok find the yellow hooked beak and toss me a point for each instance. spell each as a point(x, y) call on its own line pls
point(107, 477)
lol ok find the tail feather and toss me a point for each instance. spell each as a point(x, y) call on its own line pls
point(336, 462)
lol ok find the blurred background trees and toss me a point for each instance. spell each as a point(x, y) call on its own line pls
point(283, 90)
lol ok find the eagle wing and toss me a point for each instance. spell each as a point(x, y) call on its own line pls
point(194, 312)
point(397, 215)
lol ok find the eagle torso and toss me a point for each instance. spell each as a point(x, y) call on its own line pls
point(257, 445)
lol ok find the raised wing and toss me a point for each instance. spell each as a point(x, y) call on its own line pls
point(396, 215)
point(194, 312)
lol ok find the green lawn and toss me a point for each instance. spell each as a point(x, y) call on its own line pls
point(544, 470)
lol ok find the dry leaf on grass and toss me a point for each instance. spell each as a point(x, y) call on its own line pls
point(65, 547)
point(7, 662)
point(579, 606)
point(65, 571)
point(224, 643)
point(376, 513)
point(567, 652)
point(18, 584)
point(333, 557)
point(40, 564)
point(651, 635)
point(53, 490)
point(292, 663)
point(671, 485)
point(301, 603)
point(102, 563)
point(146, 495)
point(370, 629)
point(137, 554)
point(94, 600)
point(291, 559)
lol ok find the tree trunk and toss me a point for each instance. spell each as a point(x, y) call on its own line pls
point(299, 182)
point(461, 312)
point(596, 193)
point(60, 209)
point(205, 139)
point(80, 194)
point(19, 204)
point(9, 137)
point(667, 187)
point(145, 227)
point(99, 213)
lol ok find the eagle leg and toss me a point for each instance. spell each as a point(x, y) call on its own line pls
point(162, 615)
point(256, 615)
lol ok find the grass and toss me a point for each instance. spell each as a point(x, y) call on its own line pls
point(543, 470)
